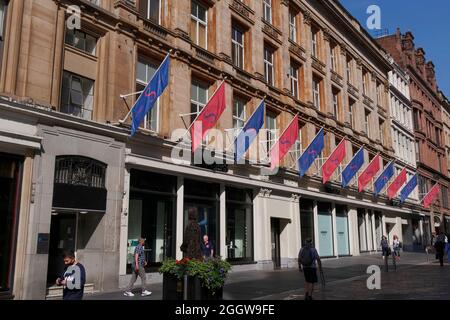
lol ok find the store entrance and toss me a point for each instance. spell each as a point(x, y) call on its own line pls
point(63, 238)
point(275, 236)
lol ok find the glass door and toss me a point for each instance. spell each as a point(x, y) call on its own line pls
point(62, 238)
point(275, 237)
point(342, 231)
point(325, 225)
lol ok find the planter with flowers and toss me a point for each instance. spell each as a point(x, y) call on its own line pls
point(205, 279)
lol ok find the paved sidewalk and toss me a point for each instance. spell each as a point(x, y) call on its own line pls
point(415, 278)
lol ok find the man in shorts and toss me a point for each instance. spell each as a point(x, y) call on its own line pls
point(308, 260)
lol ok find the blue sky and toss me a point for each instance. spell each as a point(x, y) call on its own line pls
point(429, 21)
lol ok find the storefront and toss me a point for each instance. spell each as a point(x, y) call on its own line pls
point(152, 215)
point(307, 220)
point(239, 229)
point(205, 198)
point(10, 184)
point(79, 203)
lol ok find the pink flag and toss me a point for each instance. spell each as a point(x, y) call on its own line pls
point(431, 196)
point(370, 172)
point(336, 157)
point(208, 117)
point(287, 139)
point(397, 184)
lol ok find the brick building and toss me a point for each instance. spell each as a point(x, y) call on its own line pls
point(77, 180)
point(427, 118)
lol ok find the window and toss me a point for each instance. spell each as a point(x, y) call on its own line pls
point(292, 25)
point(81, 40)
point(237, 49)
point(199, 97)
point(239, 114)
point(268, 65)
point(267, 6)
point(365, 82)
point(367, 122)
point(336, 103)
point(271, 127)
point(315, 42)
point(416, 119)
point(417, 151)
point(334, 57)
point(351, 104)
point(3, 7)
point(423, 188)
point(444, 195)
point(438, 134)
point(77, 95)
point(199, 25)
point(293, 73)
point(381, 126)
point(298, 144)
point(349, 69)
point(379, 94)
point(144, 73)
point(316, 92)
point(151, 10)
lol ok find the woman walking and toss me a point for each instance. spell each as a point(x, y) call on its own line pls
point(385, 251)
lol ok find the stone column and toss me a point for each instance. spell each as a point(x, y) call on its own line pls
point(353, 231)
point(316, 225)
point(123, 245)
point(180, 217)
point(223, 223)
point(335, 244)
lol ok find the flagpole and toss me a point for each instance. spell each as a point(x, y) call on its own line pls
point(370, 163)
point(131, 94)
point(285, 129)
point(382, 172)
point(404, 168)
point(223, 81)
point(352, 159)
point(253, 113)
point(343, 139)
point(310, 143)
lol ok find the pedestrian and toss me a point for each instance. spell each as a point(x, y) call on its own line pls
point(439, 245)
point(385, 250)
point(447, 249)
point(396, 247)
point(138, 269)
point(73, 278)
point(308, 260)
point(207, 248)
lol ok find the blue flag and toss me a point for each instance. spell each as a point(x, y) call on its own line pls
point(249, 132)
point(311, 153)
point(353, 167)
point(151, 93)
point(384, 177)
point(410, 186)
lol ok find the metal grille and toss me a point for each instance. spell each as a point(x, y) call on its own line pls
point(80, 171)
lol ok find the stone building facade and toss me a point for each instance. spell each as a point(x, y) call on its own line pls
point(427, 120)
point(78, 181)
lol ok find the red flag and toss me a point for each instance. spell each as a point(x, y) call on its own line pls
point(370, 172)
point(208, 117)
point(283, 144)
point(431, 196)
point(336, 157)
point(397, 184)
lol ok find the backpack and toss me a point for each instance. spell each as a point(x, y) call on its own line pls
point(306, 256)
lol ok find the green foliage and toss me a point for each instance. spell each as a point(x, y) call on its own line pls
point(212, 272)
